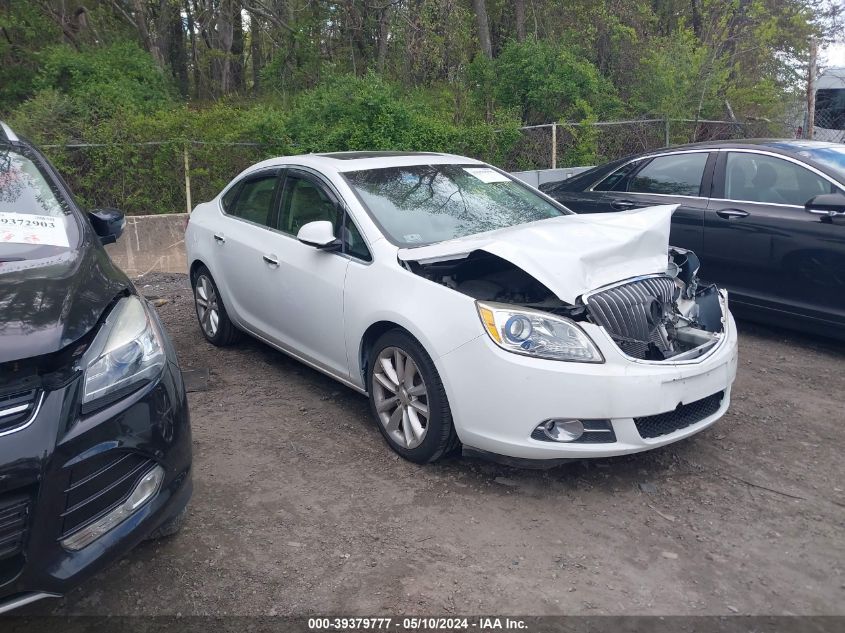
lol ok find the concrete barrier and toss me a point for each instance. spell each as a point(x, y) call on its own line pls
point(151, 243)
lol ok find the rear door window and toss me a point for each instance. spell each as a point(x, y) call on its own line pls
point(255, 198)
point(675, 174)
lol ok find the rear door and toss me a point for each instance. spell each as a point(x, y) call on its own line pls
point(240, 242)
point(761, 243)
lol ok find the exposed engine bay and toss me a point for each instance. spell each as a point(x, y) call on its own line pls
point(671, 316)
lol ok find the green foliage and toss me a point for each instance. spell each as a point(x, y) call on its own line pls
point(545, 82)
point(103, 81)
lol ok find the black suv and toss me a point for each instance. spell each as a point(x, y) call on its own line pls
point(95, 441)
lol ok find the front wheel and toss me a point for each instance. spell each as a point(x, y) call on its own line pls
point(408, 399)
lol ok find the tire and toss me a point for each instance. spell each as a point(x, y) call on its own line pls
point(398, 402)
point(209, 307)
point(171, 527)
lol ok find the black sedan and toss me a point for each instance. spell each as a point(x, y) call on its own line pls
point(95, 441)
point(766, 218)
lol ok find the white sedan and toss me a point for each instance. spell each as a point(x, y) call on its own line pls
point(472, 309)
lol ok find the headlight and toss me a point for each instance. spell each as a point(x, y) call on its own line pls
point(538, 334)
point(126, 353)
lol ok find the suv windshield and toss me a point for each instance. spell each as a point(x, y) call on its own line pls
point(34, 223)
point(423, 204)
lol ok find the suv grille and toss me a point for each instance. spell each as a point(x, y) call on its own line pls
point(15, 509)
point(683, 416)
point(98, 484)
point(633, 311)
point(16, 409)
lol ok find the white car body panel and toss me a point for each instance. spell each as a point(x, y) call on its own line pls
point(572, 254)
point(317, 307)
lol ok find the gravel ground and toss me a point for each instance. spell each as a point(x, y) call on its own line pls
point(300, 507)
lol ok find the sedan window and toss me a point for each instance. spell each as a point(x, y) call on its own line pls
point(254, 199)
point(305, 201)
point(759, 178)
point(676, 174)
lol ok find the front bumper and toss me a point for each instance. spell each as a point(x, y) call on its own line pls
point(72, 469)
point(498, 398)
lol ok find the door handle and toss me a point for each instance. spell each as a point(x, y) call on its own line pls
point(219, 238)
point(270, 259)
point(623, 204)
point(731, 213)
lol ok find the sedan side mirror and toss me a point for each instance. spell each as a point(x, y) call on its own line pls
point(828, 204)
point(108, 224)
point(319, 234)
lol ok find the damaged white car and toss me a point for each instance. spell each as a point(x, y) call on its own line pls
point(472, 309)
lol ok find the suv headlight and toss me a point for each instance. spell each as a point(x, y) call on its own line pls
point(536, 333)
point(126, 353)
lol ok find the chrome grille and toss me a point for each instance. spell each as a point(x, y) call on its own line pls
point(632, 311)
point(17, 409)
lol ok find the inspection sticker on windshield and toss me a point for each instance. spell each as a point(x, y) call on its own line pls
point(485, 174)
point(23, 228)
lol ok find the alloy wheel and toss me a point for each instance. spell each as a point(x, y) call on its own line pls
point(208, 310)
point(401, 397)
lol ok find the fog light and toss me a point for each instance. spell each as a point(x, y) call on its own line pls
point(143, 492)
point(559, 430)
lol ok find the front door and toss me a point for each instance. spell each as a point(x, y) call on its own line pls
point(307, 296)
point(763, 245)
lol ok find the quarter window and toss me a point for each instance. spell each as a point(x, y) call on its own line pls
point(760, 178)
point(353, 243)
point(618, 180)
point(676, 174)
point(254, 199)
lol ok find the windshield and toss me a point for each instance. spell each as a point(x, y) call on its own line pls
point(34, 224)
point(423, 204)
point(831, 157)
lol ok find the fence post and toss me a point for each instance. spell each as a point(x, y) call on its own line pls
point(666, 131)
point(554, 145)
point(188, 204)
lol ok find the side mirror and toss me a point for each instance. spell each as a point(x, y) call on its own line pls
point(319, 234)
point(828, 205)
point(108, 224)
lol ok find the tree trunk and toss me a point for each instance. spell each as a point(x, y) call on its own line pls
point(255, 52)
point(483, 26)
point(237, 48)
point(383, 37)
point(141, 23)
point(519, 14)
point(173, 36)
point(695, 6)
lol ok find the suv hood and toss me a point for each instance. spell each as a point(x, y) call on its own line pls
point(47, 304)
point(571, 254)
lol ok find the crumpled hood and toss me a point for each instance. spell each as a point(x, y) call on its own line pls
point(571, 254)
point(47, 304)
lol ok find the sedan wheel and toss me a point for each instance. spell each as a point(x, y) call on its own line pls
point(211, 313)
point(401, 397)
point(408, 399)
point(207, 310)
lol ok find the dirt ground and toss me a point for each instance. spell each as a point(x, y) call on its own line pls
point(300, 507)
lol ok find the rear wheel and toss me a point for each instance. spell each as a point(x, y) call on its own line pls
point(408, 399)
point(211, 313)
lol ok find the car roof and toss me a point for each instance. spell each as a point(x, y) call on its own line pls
point(358, 161)
point(784, 145)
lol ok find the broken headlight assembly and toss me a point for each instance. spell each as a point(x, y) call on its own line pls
point(538, 334)
point(127, 353)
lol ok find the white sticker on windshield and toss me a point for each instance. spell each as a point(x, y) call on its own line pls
point(487, 175)
point(23, 228)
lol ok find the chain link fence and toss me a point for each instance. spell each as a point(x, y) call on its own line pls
point(171, 176)
point(567, 145)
